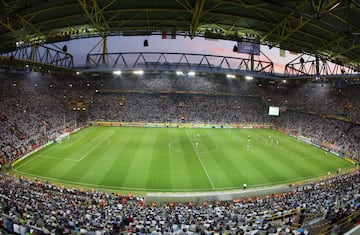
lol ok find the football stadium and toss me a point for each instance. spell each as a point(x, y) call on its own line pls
point(172, 141)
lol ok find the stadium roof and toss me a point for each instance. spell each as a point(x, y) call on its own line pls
point(330, 28)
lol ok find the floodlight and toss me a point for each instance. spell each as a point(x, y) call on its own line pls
point(191, 73)
point(117, 72)
point(138, 72)
point(230, 76)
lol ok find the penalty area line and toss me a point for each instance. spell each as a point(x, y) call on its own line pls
point(93, 148)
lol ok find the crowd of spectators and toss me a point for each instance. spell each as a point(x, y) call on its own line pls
point(319, 98)
point(176, 108)
point(29, 116)
point(166, 82)
point(43, 208)
point(322, 131)
point(35, 110)
point(322, 111)
point(36, 107)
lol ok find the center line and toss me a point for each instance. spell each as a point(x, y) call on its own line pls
point(198, 156)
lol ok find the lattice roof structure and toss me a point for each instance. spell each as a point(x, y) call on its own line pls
point(327, 28)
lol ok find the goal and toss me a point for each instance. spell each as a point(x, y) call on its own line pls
point(61, 137)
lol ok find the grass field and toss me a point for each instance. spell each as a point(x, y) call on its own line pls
point(178, 159)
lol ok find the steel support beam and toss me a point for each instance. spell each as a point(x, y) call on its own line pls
point(197, 12)
point(317, 67)
point(95, 14)
point(179, 61)
point(42, 55)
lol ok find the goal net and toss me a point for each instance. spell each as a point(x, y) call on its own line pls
point(61, 137)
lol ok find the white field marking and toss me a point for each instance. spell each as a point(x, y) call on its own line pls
point(105, 186)
point(107, 144)
point(71, 143)
point(315, 157)
point(48, 156)
point(45, 156)
point(46, 149)
point(59, 158)
point(179, 190)
point(182, 151)
point(24, 164)
point(198, 156)
point(157, 189)
point(93, 148)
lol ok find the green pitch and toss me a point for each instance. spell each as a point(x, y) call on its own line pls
point(178, 159)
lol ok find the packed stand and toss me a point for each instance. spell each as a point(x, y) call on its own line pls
point(43, 208)
point(177, 108)
point(321, 130)
point(323, 112)
point(319, 98)
point(35, 109)
point(29, 116)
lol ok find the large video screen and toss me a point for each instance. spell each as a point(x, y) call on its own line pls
point(249, 47)
point(274, 111)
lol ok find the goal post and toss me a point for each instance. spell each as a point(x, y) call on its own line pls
point(61, 137)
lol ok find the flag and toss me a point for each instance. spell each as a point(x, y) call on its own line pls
point(165, 35)
point(282, 52)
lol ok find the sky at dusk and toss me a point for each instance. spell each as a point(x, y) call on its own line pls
point(81, 47)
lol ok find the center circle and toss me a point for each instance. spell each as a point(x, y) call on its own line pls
point(193, 146)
